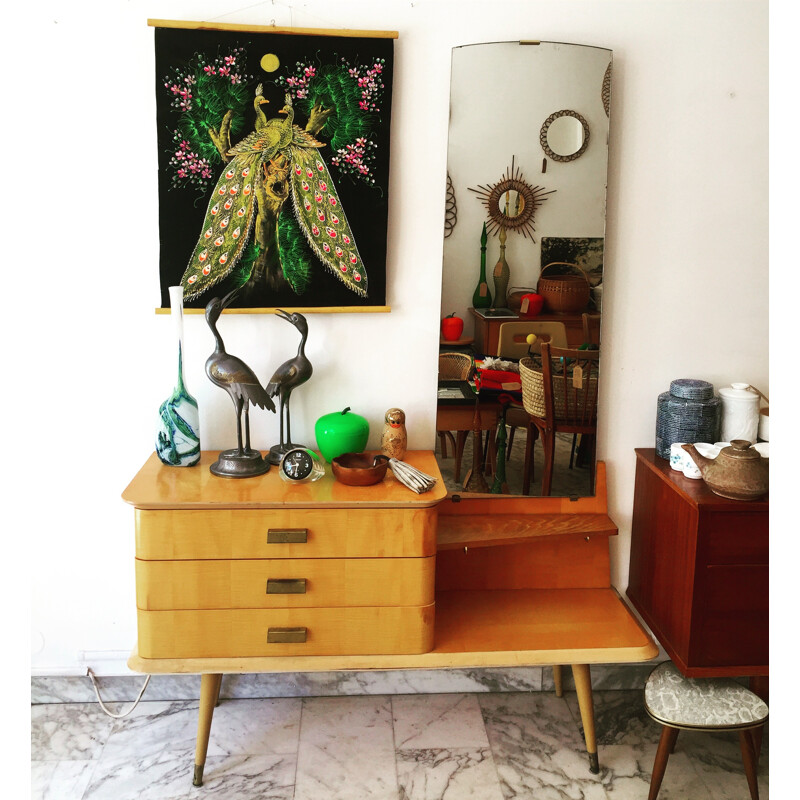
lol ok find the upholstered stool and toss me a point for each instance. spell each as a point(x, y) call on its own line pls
point(704, 704)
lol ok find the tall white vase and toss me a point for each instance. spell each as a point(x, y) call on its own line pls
point(178, 437)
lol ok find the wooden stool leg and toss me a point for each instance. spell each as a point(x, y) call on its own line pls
point(665, 747)
point(209, 692)
point(557, 680)
point(583, 685)
point(748, 745)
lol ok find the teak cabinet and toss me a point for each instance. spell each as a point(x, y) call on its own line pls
point(259, 575)
point(699, 572)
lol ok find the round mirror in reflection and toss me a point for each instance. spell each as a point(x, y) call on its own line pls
point(564, 135)
point(511, 202)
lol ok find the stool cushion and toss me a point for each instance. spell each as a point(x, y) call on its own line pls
point(672, 699)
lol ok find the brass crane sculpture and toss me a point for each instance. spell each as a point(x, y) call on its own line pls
point(240, 382)
point(289, 375)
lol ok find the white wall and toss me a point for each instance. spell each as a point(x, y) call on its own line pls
point(685, 261)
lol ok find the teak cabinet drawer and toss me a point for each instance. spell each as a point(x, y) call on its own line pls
point(284, 583)
point(244, 633)
point(168, 534)
point(734, 537)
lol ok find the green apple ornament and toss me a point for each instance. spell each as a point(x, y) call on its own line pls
point(341, 432)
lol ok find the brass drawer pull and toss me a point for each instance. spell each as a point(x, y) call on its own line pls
point(287, 535)
point(286, 635)
point(286, 585)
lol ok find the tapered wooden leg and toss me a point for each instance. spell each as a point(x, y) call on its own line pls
point(209, 692)
point(219, 687)
point(749, 758)
point(583, 685)
point(557, 680)
point(665, 747)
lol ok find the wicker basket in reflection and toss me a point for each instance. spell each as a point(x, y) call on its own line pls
point(532, 379)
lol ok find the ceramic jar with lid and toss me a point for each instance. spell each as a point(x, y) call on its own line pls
point(740, 412)
point(688, 412)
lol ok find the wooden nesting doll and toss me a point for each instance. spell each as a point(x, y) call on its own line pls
point(394, 441)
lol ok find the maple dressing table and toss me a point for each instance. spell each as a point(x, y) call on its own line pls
point(258, 575)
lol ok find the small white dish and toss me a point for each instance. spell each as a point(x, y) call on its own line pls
point(763, 448)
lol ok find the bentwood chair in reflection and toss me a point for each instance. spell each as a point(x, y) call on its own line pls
point(512, 343)
point(560, 395)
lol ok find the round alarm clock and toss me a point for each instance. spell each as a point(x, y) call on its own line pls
point(300, 465)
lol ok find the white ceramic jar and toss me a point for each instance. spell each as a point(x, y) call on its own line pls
point(740, 412)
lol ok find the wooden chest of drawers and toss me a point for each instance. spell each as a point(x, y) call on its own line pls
point(699, 572)
point(258, 567)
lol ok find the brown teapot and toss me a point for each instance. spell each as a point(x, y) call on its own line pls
point(738, 472)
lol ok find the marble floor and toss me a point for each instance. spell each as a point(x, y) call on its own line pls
point(489, 746)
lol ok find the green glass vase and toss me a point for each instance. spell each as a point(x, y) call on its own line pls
point(178, 435)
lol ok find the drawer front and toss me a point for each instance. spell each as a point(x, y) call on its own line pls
point(245, 633)
point(734, 537)
point(292, 533)
point(284, 583)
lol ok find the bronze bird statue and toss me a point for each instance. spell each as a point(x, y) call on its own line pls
point(289, 375)
point(240, 382)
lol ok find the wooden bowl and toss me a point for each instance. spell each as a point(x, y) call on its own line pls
point(360, 469)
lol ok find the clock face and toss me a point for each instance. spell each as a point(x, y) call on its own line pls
point(297, 464)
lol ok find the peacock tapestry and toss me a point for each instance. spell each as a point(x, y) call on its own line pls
point(273, 167)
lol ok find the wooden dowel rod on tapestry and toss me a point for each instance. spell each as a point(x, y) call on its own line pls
point(194, 25)
point(291, 309)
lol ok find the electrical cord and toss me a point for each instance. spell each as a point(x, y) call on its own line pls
point(102, 705)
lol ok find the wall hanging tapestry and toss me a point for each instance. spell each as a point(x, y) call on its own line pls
point(273, 155)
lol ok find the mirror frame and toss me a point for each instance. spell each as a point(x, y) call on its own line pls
point(546, 127)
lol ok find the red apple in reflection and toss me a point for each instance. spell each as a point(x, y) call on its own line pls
point(452, 327)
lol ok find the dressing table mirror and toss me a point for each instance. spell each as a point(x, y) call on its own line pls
point(527, 157)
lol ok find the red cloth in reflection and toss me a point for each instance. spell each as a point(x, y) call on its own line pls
point(500, 379)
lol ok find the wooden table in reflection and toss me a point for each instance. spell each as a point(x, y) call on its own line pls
point(455, 415)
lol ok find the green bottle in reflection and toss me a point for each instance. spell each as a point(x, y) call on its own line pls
point(481, 298)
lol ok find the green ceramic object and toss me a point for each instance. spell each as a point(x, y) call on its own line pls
point(341, 432)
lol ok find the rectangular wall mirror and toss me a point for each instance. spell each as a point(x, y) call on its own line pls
point(525, 217)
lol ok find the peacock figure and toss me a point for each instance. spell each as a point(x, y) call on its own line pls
point(276, 160)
